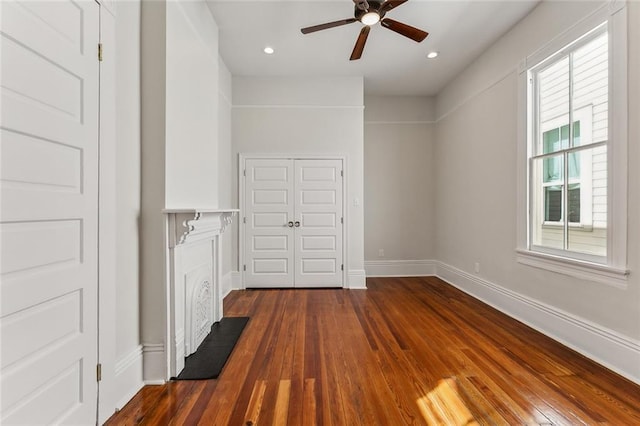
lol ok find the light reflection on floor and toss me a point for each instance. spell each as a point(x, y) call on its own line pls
point(444, 405)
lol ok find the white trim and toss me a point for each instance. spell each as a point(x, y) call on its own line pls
point(571, 35)
point(128, 360)
point(357, 279)
point(241, 215)
point(575, 268)
point(399, 122)
point(154, 362)
point(618, 133)
point(360, 107)
point(604, 346)
point(108, 388)
point(400, 268)
point(128, 372)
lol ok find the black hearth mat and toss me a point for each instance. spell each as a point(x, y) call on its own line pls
point(212, 354)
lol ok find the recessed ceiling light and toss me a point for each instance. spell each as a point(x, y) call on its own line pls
point(269, 50)
point(432, 55)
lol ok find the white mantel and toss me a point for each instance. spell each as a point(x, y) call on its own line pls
point(193, 277)
point(192, 224)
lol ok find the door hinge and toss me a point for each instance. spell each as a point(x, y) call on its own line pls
point(342, 267)
point(98, 372)
point(244, 267)
point(244, 173)
point(100, 52)
point(342, 173)
point(244, 219)
point(342, 220)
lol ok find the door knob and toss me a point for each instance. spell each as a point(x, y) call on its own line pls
point(297, 224)
point(290, 224)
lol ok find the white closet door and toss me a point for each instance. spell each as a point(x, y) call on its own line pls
point(294, 223)
point(269, 225)
point(48, 224)
point(318, 226)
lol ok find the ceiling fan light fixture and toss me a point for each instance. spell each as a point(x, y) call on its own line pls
point(370, 18)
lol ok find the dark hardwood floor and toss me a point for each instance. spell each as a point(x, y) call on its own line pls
point(406, 351)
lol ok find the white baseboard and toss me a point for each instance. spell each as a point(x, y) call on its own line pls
point(357, 279)
point(400, 268)
point(154, 362)
point(236, 280)
point(614, 351)
point(227, 284)
point(128, 376)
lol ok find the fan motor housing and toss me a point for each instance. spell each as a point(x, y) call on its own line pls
point(374, 6)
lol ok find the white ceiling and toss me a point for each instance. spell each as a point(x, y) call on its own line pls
point(391, 64)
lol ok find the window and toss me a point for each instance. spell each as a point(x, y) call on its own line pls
point(568, 161)
point(574, 144)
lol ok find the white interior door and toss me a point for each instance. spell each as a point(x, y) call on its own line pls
point(49, 211)
point(293, 223)
point(269, 224)
point(318, 223)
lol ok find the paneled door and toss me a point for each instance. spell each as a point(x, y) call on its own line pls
point(49, 211)
point(293, 223)
point(269, 223)
point(318, 224)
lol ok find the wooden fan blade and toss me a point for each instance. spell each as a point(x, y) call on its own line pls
point(391, 4)
point(404, 29)
point(328, 25)
point(359, 47)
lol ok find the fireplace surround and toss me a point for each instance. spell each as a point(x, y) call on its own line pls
point(193, 278)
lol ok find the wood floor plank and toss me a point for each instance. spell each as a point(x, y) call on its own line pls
point(281, 412)
point(252, 415)
point(405, 351)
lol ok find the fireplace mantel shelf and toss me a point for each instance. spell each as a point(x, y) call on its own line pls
point(199, 210)
point(193, 224)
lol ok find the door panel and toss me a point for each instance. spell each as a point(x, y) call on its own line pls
point(49, 211)
point(269, 208)
point(318, 197)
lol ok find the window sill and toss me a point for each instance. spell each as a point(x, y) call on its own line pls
point(575, 268)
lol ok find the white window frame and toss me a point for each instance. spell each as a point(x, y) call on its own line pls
point(611, 270)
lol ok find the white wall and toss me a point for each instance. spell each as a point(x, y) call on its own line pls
point(191, 177)
point(476, 195)
point(225, 160)
point(307, 116)
point(128, 351)
point(180, 131)
point(399, 179)
point(152, 225)
point(128, 176)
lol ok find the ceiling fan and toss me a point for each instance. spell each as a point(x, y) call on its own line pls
point(370, 12)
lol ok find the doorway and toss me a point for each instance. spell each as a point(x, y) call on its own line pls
point(292, 226)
